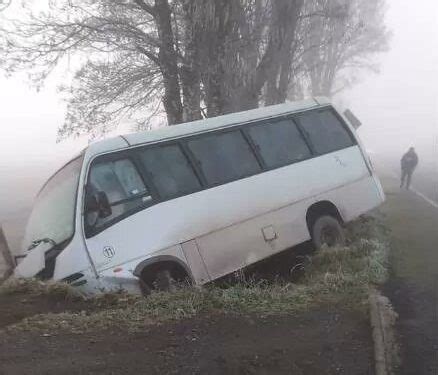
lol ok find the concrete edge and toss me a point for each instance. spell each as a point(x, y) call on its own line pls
point(383, 318)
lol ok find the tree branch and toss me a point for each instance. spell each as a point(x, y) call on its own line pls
point(149, 55)
point(146, 7)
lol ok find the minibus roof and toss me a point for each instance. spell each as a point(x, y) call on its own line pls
point(200, 126)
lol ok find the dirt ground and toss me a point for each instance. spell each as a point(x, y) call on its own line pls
point(413, 285)
point(17, 307)
point(318, 342)
point(325, 340)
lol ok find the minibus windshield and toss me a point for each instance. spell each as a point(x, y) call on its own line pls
point(53, 214)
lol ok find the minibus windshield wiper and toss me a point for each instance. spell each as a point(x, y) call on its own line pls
point(35, 243)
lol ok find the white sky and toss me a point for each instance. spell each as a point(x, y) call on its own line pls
point(398, 107)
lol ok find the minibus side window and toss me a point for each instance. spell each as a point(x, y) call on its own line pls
point(325, 131)
point(123, 186)
point(170, 171)
point(280, 143)
point(224, 157)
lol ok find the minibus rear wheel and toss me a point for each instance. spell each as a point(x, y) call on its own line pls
point(327, 231)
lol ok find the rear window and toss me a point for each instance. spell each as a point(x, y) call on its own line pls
point(224, 157)
point(279, 143)
point(325, 131)
point(170, 171)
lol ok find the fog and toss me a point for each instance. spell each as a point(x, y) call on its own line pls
point(398, 108)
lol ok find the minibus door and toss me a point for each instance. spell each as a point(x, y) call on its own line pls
point(195, 262)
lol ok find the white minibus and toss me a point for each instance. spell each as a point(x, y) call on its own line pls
point(200, 200)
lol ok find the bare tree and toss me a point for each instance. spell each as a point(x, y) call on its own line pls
point(129, 53)
point(246, 46)
point(189, 58)
point(190, 38)
point(343, 36)
point(285, 24)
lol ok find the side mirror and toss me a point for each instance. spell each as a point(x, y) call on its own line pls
point(98, 203)
point(353, 119)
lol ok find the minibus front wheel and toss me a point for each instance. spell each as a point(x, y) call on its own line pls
point(327, 231)
point(162, 282)
point(162, 277)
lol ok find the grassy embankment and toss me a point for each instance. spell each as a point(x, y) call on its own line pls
point(337, 277)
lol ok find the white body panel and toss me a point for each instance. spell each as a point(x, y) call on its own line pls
point(226, 221)
point(221, 229)
point(34, 262)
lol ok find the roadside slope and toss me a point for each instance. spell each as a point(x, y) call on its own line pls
point(317, 323)
point(413, 285)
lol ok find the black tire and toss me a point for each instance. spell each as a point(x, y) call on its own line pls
point(162, 282)
point(327, 231)
point(145, 288)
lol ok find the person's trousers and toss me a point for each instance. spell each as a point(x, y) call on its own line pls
point(406, 178)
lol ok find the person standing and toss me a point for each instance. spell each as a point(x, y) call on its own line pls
point(408, 162)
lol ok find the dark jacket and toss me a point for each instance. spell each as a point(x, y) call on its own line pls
point(409, 161)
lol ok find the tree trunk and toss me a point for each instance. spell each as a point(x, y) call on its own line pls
point(218, 26)
point(190, 70)
point(285, 24)
point(168, 61)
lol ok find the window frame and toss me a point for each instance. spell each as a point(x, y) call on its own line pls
point(341, 122)
point(197, 165)
point(191, 162)
point(112, 157)
point(290, 118)
point(133, 153)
